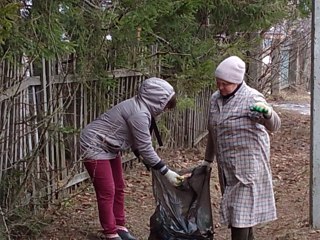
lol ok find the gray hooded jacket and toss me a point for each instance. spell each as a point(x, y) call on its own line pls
point(127, 124)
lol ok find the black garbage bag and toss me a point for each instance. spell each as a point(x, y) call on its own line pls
point(182, 212)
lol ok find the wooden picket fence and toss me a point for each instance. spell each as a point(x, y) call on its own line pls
point(41, 117)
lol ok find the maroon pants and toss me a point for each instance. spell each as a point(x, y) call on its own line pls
point(109, 185)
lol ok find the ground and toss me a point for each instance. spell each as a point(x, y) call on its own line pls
point(77, 218)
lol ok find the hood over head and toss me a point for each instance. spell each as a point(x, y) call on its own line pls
point(155, 93)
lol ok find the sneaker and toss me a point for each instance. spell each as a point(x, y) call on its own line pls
point(125, 235)
point(103, 236)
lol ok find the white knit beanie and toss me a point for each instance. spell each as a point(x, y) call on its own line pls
point(232, 70)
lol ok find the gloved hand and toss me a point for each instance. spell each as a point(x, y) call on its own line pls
point(174, 178)
point(262, 107)
point(206, 163)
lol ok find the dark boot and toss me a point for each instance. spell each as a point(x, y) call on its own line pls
point(125, 235)
point(242, 233)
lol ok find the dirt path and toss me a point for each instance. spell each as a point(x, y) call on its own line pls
point(77, 218)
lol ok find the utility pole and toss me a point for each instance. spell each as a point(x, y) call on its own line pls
point(315, 118)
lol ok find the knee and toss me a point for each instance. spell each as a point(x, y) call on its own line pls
point(105, 192)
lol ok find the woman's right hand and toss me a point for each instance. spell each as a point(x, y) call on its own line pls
point(174, 178)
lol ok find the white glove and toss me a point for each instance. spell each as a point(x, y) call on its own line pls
point(262, 108)
point(174, 178)
point(206, 163)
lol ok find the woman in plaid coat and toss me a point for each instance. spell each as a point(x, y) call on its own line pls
point(239, 121)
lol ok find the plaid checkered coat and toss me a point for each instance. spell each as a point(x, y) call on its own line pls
point(239, 140)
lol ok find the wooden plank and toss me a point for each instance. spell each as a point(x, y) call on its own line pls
point(78, 178)
point(17, 88)
point(199, 138)
point(61, 145)
point(36, 131)
point(14, 134)
point(27, 148)
point(95, 102)
point(22, 130)
point(83, 176)
point(3, 136)
point(2, 131)
point(91, 102)
point(35, 81)
point(83, 112)
point(127, 88)
point(8, 139)
point(53, 157)
point(46, 134)
point(76, 120)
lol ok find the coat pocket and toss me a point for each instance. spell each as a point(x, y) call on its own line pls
point(247, 170)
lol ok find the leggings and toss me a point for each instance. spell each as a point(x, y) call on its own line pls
point(108, 182)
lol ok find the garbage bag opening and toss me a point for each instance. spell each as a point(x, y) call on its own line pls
point(182, 212)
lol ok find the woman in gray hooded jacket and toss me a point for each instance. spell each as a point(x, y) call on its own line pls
point(124, 126)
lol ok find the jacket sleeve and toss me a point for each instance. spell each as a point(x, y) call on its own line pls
point(139, 125)
point(210, 148)
point(273, 123)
